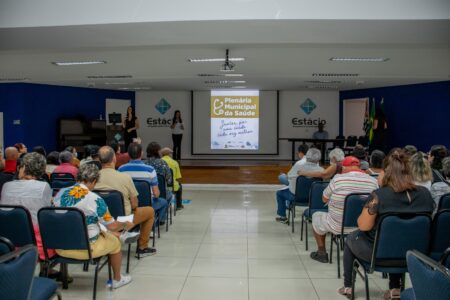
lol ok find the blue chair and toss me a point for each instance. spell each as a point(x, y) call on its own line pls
point(162, 185)
point(6, 246)
point(396, 234)
point(65, 228)
point(59, 181)
point(353, 206)
point(430, 280)
point(61, 177)
point(145, 199)
point(315, 204)
point(302, 188)
point(444, 202)
point(16, 225)
point(17, 279)
point(440, 236)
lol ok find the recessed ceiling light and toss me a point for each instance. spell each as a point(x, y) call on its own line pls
point(196, 60)
point(14, 79)
point(238, 87)
point(108, 76)
point(134, 88)
point(335, 74)
point(360, 59)
point(116, 83)
point(224, 81)
point(78, 63)
point(327, 87)
point(322, 81)
point(233, 75)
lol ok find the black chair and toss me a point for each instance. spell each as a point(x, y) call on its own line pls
point(145, 199)
point(440, 236)
point(396, 234)
point(16, 225)
point(61, 177)
point(301, 198)
point(430, 280)
point(363, 140)
point(444, 202)
point(65, 228)
point(315, 204)
point(162, 185)
point(351, 143)
point(6, 246)
point(116, 207)
point(353, 206)
point(17, 279)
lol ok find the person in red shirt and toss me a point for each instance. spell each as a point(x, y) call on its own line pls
point(121, 158)
point(11, 157)
point(66, 166)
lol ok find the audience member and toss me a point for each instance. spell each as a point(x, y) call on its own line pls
point(75, 161)
point(11, 157)
point(410, 150)
point(376, 162)
point(175, 167)
point(398, 194)
point(121, 158)
point(438, 189)
point(302, 149)
point(96, 212)
point(288, 194)
point(65, 165)
point(90, 152)
point(52, 162)
point(40, 150)
point(360, 153)
point(110, 179)
point(336, 157)
point(435, 157)
point(137, 169)
point(161, 167)
point(352, 180)
point(420, 170)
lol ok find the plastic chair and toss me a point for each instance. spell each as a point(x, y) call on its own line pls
point(315, 204)
point(444, 202)
point(16, 225)
point(6, 246)
point(17, 279)
point(145, 199)
point(351, 143)
point(301, 198)
point(396, 234)
point(162, 185)
point(430, 280)
point(353, 206)
point(65, 228)
point(440, 236)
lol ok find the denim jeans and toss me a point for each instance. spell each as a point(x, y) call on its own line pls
point(160, 207)
point(283, 197)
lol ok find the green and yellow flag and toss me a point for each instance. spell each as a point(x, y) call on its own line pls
point(371, 120)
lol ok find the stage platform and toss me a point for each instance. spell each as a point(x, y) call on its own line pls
point(233, 171)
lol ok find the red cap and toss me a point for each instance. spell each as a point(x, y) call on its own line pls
point(350, 161)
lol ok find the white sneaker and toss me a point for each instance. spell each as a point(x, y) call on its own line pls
point(124, 280)
point(128, 237)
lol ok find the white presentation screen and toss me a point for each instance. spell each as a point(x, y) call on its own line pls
point(234, 120)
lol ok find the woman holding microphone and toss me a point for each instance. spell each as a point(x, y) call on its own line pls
point(177, 134)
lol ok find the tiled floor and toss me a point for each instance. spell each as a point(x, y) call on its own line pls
point(226, 245)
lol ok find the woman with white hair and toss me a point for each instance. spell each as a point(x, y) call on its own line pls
point(336, 157)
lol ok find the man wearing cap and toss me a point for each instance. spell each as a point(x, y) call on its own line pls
point(352, 180)
point(175, 167)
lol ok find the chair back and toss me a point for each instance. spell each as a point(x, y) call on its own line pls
point(4, 178)
point(162, 185)
point(6, 246)
point(429, 279)
point(341, 143)
point(17, 272)
point(302, 189)
point(440, 236)
point(58, 184)
point(397, 234)
point(351, 141)
point(61, 177)
point(114, 201)
point(145, 194)
point(444, 202)
point(315, 196)
point(173, 179)
point(363, 140)
point(353, 206)
point(16, 225)
point(63, 228)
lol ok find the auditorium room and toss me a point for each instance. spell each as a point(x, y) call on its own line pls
point(233, 150)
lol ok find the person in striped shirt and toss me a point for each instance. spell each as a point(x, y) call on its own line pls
point(352, 180)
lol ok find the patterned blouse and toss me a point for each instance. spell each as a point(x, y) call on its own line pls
point(162, 168)
point(93, 207)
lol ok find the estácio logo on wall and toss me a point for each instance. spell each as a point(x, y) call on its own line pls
point(307, 107)
point(162, 107)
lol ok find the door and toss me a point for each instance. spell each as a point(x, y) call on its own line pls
point(354, 113)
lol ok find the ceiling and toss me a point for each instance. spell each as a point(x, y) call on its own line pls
point(279, 54)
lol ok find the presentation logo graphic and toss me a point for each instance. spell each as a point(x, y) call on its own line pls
point(308, 106)
point(218, 107)
point(162, 106)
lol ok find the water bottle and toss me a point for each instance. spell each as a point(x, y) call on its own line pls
point(109, 290)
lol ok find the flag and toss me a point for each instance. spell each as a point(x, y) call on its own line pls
point(371, 121)
point(366, 126)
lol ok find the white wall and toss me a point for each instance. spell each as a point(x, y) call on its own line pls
point(327, 108)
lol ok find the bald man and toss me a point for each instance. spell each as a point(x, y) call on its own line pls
point(11, 157)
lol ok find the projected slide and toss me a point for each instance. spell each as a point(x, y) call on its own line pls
point(234, 120)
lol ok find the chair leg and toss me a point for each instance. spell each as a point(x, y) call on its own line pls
point(338, 259)
point(331, 248)
point(95, 279)
point(65, 279)
point(86, 267)
point(159, 230)
point(366, 283)
point(109, 270)
point(154, 235)
point(355, 267)
point(289, 215)
point(301, 228)
point(172, 209)
point(306, 235)
point(128, 258)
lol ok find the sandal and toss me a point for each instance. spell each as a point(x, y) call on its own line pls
point(392, 294)
point(345, 291)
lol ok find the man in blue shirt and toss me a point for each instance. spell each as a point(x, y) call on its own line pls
point(137, 169)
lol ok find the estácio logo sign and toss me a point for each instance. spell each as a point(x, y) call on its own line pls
point(162, 107)
point(307, 107)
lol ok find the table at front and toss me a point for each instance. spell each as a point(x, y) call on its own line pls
point(322, 143)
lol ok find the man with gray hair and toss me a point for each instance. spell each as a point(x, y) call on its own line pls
point(286, 195)
point(65, 159)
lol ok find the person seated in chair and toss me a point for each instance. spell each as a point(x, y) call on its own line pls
point(11, 157)
point(137, 169)
point(110, 179)
point(121, 158)
point(288, 194)
point(302, 150)
point(336, 157)
point(102, 242)
point(360, 153)
point(352, 180)
point(438, 189)
point(175, 167)
point(66, 166)
point(376, 163)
